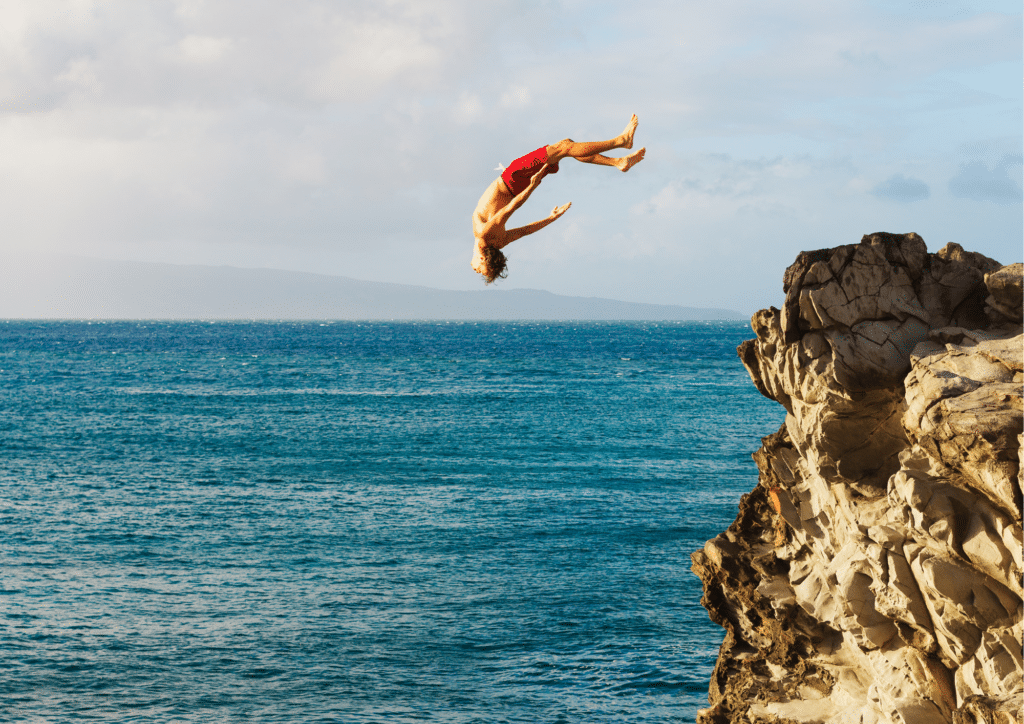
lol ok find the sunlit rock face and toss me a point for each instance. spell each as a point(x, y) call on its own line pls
point(874, 573)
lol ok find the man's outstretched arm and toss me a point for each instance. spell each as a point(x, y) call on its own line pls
point(501, 218)
point(522, 231)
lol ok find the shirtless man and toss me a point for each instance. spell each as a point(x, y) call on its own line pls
point(511, 190)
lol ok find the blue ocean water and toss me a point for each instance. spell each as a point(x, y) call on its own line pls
point(377, 522)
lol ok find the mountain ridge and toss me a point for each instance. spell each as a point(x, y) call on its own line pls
point(87, 288)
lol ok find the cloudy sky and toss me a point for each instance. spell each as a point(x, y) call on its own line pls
point(354, 137)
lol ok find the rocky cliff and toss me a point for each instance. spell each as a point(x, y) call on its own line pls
point(874, 573)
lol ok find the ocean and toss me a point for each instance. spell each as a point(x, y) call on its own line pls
point(379, 522)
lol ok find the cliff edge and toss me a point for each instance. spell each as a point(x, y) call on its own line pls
point(874, 573)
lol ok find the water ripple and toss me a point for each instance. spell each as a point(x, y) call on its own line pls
point(386, 522)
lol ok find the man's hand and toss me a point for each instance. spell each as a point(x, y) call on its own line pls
point(522, 231)
point(535, 179)
point(559, 210)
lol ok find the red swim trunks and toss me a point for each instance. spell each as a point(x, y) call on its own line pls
point(518, 174)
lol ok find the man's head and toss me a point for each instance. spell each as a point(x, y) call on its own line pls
point(494, 264)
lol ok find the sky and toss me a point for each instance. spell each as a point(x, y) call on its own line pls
point(355, 137)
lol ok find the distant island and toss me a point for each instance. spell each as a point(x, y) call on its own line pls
point(85, 288)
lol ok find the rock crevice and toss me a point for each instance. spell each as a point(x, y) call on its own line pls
point(874, 573)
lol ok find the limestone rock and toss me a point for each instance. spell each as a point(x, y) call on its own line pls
point(875, 572)
point(1006, 297)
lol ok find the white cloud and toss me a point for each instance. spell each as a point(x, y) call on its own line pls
point(516, 97)
point(363, 57)
point(306, 167)
point(469, 108)
point(80, 74)
point(203, 49)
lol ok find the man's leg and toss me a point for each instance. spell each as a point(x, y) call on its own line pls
point(568, 148)
point(623, 164)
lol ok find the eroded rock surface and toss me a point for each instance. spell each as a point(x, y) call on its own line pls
point(874, 573)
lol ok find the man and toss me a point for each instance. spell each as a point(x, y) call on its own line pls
point(511, 190)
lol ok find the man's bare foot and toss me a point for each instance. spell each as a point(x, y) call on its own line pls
point(627, 135)
point(627, 162)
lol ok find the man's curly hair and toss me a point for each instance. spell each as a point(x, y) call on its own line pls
point(495, 264)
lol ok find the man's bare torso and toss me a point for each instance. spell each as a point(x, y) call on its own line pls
point(496, 197)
